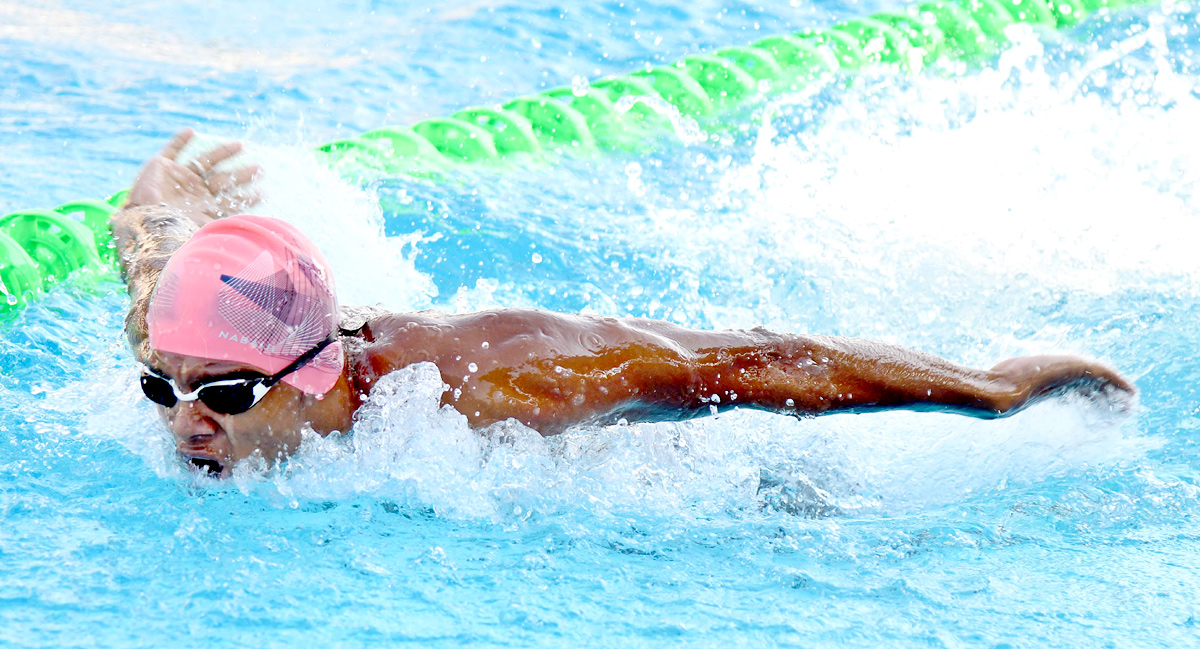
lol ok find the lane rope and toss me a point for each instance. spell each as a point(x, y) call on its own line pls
point(40, 248)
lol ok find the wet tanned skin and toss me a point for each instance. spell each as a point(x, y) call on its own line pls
point(551, 371)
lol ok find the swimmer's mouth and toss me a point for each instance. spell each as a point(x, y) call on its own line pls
point(207, 466)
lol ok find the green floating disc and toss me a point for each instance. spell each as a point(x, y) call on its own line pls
point(405, 151)
point(355, 155)
point(94, 214)
point(725, 83)
point(353, 146)
point(964, 38)
point(1034, 12)
point(557, 125)
point(927, 37)
point(457, 139)
point(640, 117)
point(678, 89)
point(1097, 5)
point(19, 278)
point(117, 200)
point(758, 63)
point(511, 132)
point(57, 244)
point(845, 47)
point(1067, 12)
point(800, 61)
point(880, 42)
point(607, 125)
point(991, 16)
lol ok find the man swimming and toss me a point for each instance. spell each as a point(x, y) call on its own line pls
point(243, 345)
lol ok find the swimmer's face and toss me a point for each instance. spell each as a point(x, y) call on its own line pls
point(214, 441)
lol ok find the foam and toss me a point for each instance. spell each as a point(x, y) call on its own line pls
point(345, 221)
point(408, 449)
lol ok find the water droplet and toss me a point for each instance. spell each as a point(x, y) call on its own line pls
point(790, 403)
point(472, 367)
point(485, 345)
point(537, 259)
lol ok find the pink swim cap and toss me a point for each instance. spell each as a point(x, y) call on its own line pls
point(252, 290)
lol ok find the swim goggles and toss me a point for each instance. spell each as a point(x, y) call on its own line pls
point(224, 396)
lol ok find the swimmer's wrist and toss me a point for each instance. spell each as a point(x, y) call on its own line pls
point(1002, 396)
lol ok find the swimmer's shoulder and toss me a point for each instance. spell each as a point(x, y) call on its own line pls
point(370, 323)
point(381, 341)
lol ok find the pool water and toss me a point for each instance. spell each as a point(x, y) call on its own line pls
point(1045, 203)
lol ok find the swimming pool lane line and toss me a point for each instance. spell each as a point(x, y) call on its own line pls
point(39, 248)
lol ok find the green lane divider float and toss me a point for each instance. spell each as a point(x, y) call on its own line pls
point(39, 248)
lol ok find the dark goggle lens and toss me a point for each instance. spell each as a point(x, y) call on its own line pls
point(224, 399)
point(229, 399)
point(158, 390)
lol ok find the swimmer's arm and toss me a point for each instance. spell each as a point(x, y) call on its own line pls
point(552, 371)
point(811, 375)
point(166, 195)
point(166, 205)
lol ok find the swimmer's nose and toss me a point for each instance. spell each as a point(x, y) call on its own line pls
point(191, 426)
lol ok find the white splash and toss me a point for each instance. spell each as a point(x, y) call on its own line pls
point(346, 222)
point(409, 449)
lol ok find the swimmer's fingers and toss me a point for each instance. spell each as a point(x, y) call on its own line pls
point(1117, 381)
point(1119, 399)
point(229, 180)
point(205, 162)
point(1099, 378)
point(176, 144)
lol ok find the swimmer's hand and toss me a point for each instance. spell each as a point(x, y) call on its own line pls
point(195, 189)
point(1021, 382)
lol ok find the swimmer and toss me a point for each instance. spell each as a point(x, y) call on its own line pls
point(242, 344)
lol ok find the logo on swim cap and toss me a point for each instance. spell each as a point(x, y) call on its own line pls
point(280, 311)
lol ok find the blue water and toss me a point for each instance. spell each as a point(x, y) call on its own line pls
point(1045, 203)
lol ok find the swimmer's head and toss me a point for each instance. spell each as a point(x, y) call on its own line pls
point(251, 290)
